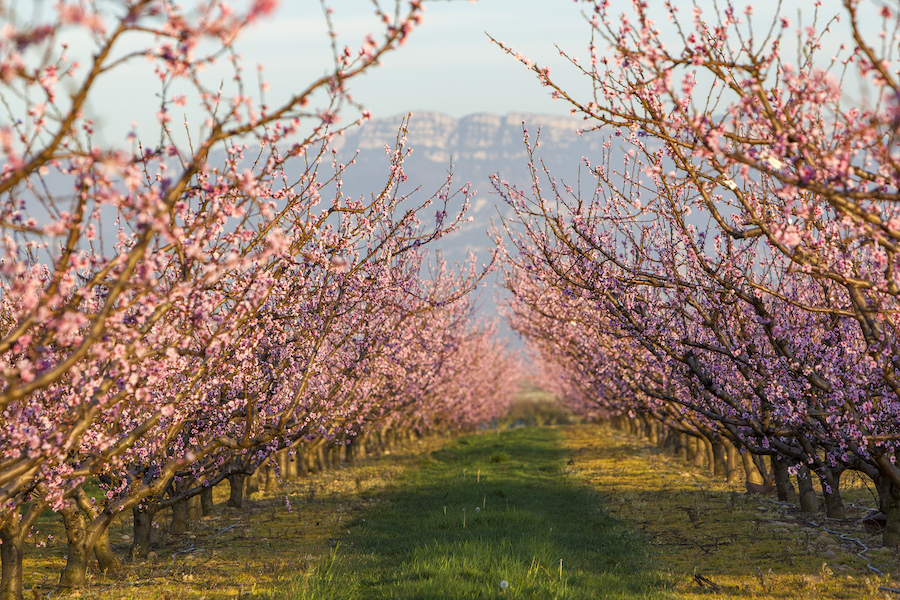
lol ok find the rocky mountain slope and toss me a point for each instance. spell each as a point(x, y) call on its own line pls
point(475, 147)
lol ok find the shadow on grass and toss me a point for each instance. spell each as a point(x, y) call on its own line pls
point(488, 509)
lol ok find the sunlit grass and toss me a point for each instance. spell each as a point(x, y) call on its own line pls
point(248, 553)
point(712, 540)
point(488, 509)
point(627, 521)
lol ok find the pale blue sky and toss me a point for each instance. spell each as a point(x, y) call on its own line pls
point(448, 65)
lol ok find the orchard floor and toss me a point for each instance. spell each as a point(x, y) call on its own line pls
point(246, 553)
point(711, 540)
point(534, 496)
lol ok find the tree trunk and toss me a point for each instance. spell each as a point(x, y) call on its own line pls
point(691, 450)
point(180, 508)
point(143, 527)
point(783, 485)
point(236, 494)
point(809, 502)
point(79, 547)
point(662, 434)
point(707, 453)
point(304, 461)
point(732, 462)
point(652, 433)
point(321, 465)
point(679, 448)
point(831, 491)
point(719, 466)
point(106, 558)
point(751, 472)
point(252, 484)
point(760, 462)
point(12, 543)
point(179, 522)
point(889, 504)
point(270, 475)
point(297, 464)
point(358, 447)
point(206, 501)
point(282, 458)
point(12, 549)
point(194, 512)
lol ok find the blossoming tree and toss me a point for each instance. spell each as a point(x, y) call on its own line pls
point(200, 299)
point(746, 240)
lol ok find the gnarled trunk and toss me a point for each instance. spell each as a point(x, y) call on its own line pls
point(83, 535)
point(690, 448)
point(106, 558)
point(809, 502)
point(12, 549)
point(12, 543)
point(236, 494)
point(270, 476)
point(830, 478)
point(251, 484)
point(206, 501)
point(732, 462)
point(194, 512)
point(318, 452)
point(143, 527)
point(720, 468)
point(650, 430)
point(783, 485)
point(889, 504)
point(708, 454)
point(80, 539)
point(751, 472)
point(179, 508)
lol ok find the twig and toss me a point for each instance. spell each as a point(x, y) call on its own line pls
point(701, 581)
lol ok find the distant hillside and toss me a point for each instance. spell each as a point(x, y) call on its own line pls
point(477, 146)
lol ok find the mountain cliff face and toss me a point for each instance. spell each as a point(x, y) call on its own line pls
point(474, 148)
point(481, 137)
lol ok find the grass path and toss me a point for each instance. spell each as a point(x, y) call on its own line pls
point(626, 520)
point(482, 511)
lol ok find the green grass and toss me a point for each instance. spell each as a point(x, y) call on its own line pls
point(486, 509)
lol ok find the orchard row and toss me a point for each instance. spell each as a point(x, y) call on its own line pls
point(172, 318)
point(732, 276)
point(205, 304)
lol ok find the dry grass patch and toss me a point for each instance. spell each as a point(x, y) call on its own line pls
point(715, 541)
point(245, 553)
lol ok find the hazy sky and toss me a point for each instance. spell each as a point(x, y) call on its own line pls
point(449, 65)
